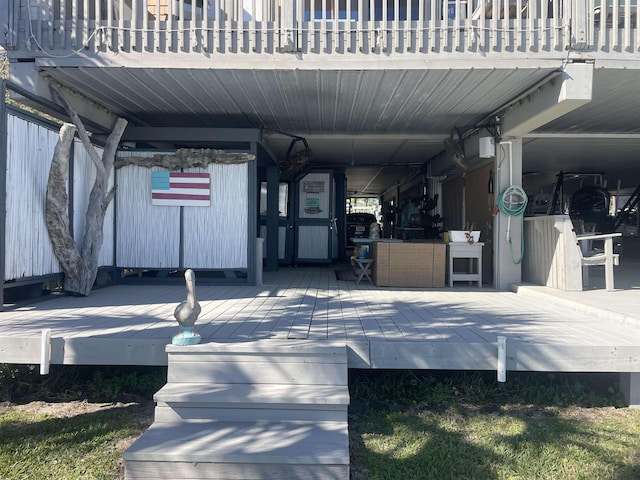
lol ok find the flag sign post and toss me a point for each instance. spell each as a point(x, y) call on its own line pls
point(180, 189)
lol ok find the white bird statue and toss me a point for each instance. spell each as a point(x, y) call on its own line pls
point(187, 313)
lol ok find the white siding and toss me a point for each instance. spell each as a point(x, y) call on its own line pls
point(147, 236)
point(28, 249)
point(216, 236)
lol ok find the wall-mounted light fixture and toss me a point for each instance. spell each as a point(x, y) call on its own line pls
point(487, 147)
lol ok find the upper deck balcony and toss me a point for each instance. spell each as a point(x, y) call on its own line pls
point(337, 28)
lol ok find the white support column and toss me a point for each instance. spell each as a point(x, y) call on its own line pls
point(569, 90)
point(507, 231)
point(630, 388)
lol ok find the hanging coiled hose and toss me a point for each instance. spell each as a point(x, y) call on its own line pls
point(513, 203)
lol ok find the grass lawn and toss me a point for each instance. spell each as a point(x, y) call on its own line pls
point(68, 440)
point(450, 429)
point(403, 425)
point(510, 442)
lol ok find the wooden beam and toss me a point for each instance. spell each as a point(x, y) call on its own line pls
point(552, 100)
point(170, 134)
point(528, 357)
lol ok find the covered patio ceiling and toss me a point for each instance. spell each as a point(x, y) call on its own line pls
point(380, 125)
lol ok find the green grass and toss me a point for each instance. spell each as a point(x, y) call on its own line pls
point(460, 442)
point(66, 437)
point(85, 446)
point(404, 425)
point(466, 427)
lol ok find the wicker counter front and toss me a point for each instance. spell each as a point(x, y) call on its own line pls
point(409, 264)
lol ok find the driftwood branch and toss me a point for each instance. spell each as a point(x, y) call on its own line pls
point(108, 198)
point(111, 147)
point(187, 158)
point(82, 132)
point(80, 266)
point(57, 205)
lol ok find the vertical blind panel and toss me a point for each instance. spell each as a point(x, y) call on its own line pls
point(84, 174)
point(28, 249)
point(148, 236)
point(313, 242)
point(216, 236)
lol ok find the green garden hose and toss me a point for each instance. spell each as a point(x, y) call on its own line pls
point(513, 203)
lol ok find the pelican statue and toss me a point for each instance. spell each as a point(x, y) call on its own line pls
point(187, 313)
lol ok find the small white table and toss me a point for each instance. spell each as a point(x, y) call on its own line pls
point(465, 250)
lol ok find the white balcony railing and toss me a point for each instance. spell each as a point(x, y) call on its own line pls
point(322, 26)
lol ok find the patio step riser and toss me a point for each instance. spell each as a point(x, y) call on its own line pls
point(190, 471)
point(236, 394)
point(258, 363)
point(201, 401)
point(296, 370)
point(257, 357)
point(173, 414)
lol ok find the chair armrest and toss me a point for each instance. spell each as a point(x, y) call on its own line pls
point(599, 236)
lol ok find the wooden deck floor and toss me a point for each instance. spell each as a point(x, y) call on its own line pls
point(383, 327)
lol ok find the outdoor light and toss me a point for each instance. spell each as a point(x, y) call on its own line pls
point(487, 147)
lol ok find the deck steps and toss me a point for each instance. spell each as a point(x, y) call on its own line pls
point(192, 402)
point(256, 410)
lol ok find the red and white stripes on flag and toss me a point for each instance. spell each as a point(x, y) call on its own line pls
point(177, 189)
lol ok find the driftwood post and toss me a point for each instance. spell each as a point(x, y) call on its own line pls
point(80, 266)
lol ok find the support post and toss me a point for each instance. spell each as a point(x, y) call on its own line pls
point(259, 251)
point(3, 185)
point(502, 359)
point(45, 351)
point(507, 231)
point(252, 215)
point(273, 217)
point(630, 388)
point(341, 210)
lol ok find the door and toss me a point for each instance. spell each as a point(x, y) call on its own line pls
point(285, 222)
point(314, 223)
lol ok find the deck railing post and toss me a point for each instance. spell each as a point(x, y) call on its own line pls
point(9, 23)
point(579, 18)
point(286, 17)
point(291, 25)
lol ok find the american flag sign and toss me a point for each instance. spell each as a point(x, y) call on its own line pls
point(177, 189)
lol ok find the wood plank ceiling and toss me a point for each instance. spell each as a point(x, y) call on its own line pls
point(381, 125)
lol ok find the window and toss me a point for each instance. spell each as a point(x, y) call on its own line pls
point(283, 199)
